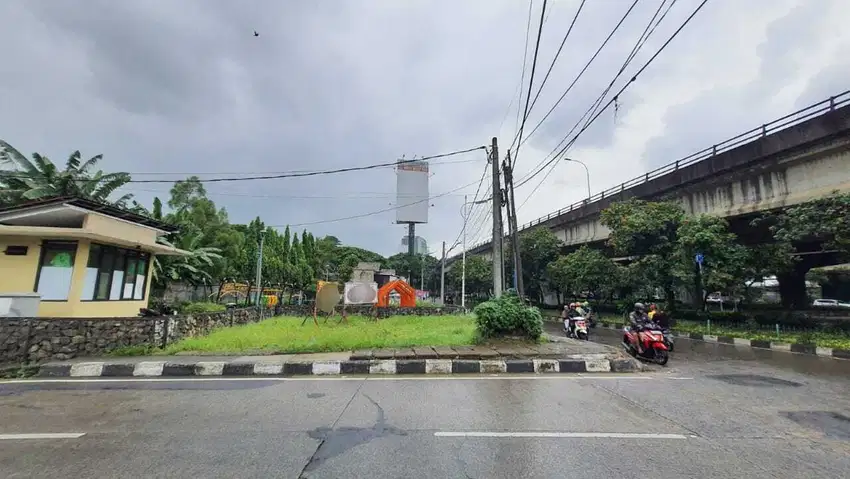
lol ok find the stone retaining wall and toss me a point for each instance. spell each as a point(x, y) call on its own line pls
point(26, 340)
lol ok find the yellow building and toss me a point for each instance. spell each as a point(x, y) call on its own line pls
point(83, 258)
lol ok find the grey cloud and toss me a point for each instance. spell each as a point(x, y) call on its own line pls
point(163, 86)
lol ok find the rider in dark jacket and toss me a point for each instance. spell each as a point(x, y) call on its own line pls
point(637, 320)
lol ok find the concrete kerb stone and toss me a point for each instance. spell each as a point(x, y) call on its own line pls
point(245, 367)
point(805, 349)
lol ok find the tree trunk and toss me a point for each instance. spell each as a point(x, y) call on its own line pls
point(792, 288)
point(670, 294)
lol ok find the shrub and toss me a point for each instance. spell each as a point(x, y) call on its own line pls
point(508, 316)
point(202, 307)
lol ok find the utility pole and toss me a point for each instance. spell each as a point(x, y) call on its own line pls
point(513, 227)
point(443, 277)
point(498, 262)
point(260, 268)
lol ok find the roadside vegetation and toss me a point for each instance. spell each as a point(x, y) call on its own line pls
point(830, 338)
point(824, 339)
point(287, 335)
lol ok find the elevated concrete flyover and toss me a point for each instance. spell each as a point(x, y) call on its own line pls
point(800, 157)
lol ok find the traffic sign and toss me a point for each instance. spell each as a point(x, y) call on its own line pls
point(699, 258)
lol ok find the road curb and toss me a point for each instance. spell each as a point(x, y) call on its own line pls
point(376, 367)
point(807, 349)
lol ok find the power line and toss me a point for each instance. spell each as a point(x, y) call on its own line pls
point(531, 79)
point(524, 62)
point(610, 102)
point(557, 54)
point(361, 195)
point(373, 213)
point(191, 173)
point(474, 198)
point(305, 174)
point(581, 73)
point(647, 32)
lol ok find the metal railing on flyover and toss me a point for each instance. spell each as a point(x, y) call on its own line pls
point(774, 126)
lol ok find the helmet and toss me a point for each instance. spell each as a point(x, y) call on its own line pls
point(639, 307)
point(653, 307)
point(572, 305)
point(585, 304)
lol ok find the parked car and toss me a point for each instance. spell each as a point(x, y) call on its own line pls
point(829, 303)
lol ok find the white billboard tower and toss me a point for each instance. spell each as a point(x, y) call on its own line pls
point(412, 198)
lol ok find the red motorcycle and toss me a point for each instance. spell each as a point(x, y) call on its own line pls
point(652, 341)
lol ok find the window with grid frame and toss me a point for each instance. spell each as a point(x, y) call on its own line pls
point(115, 274)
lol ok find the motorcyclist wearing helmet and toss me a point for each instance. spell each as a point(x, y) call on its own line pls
point(570, 312)
point(637, 320)
point(653, 309)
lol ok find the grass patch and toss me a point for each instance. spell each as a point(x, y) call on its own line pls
point(286, 335)
point(142, 350)
point(836, 340)
point(201, 307)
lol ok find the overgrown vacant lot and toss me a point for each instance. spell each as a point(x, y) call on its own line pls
point(286, 335)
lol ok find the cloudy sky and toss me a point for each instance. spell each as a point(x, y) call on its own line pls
point(168, 88)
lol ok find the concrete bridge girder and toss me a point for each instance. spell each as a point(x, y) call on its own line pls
point(786, 168)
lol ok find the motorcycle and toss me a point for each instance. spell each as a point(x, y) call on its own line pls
point(652, 340)
point(578, 329)
point(668, 339)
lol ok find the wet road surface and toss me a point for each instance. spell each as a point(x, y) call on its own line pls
point(691, 356)
point(719, 416)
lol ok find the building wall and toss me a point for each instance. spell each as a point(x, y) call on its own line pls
point(105, 225)
point(19, 274)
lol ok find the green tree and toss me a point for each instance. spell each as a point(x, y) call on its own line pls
point(649, 231)
point(825, 220)
point(346, 258)
point(724, 258)
point(479, 276)
point(585, 270)
point(40, 178)
point(763, 261)
point(192, 268)
point(205, 228)
point(538, 248)
point(157, 208)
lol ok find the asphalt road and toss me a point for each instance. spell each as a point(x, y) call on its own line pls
point(716, 417)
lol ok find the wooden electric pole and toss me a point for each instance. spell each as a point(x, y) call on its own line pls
point(513, 227)
point(498, 261)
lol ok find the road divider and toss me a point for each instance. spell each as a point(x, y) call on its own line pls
point(260, 366)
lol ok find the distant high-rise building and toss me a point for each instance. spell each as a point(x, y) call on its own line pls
point(420, 246)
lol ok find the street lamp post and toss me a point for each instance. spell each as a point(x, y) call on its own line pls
point(587, 173)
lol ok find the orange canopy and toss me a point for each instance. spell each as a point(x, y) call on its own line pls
point(408, 294)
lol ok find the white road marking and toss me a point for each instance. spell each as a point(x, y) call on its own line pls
point(604, 435)
point(502, 377)
point(58, 435)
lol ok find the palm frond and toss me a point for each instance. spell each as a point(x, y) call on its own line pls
point(11, 156)
point(109, 183)
point(89, 164)
point(73, 162)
